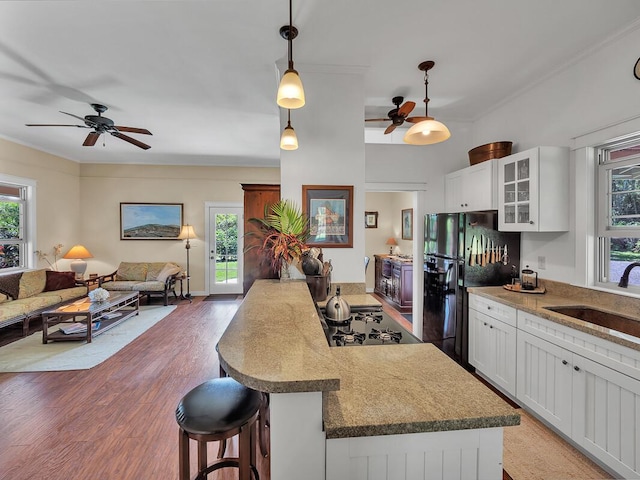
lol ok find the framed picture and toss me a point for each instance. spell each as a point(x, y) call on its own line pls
point(370, 219)
point(407, 224)
point(330, 212)
point(150, 221)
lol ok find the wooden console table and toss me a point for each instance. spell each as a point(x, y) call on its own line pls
point(118, 308)
point(394, 280)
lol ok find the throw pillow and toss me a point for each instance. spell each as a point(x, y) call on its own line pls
point(59, 280)
point(132, 271)
point(168, 270)
point(10, 285)
point(32, 283)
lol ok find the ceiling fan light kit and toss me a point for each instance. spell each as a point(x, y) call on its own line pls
point(289, 139)
point(426, 130)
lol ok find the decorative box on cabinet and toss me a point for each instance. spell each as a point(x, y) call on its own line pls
point(256, 197)
point(533, 190)
point(472, 188)
point(394, 280)
point(492, 342)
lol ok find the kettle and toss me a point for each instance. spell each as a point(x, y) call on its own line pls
point(337, 309)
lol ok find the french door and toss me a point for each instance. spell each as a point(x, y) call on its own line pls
point(225, 250)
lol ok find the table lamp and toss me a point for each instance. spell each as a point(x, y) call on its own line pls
point(187, 233)
point(392, 243)
point(79, 266)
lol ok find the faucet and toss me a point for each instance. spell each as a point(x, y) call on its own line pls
point(624, 280)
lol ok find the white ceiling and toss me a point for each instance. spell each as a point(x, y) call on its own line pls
point(202, 74)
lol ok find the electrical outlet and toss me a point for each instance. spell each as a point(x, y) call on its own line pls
point(542, 262)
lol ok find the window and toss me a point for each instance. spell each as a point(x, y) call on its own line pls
point(16, 220)
point(618, 212)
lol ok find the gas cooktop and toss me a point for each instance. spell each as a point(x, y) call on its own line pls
point(365, 327)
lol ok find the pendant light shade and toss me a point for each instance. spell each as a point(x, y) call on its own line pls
point(290, 91)
point(426, 133)
point(426, 130)
point(289, 139)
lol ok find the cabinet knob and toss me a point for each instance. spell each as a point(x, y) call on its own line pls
point(531, 222)
point(488, 307)
point(462, 204)
point(576, 368)
point(564, 362)
point(485, 323)
point(490, 326)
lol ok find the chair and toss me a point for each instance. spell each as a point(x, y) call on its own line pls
point(216, 410)
point(366, 263)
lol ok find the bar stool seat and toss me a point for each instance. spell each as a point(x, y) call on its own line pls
point(216, 410)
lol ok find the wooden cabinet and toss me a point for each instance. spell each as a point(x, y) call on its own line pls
point(492, 342)
point(472, 189)
point(533, 190)
point(256, 197)
point(394, 280)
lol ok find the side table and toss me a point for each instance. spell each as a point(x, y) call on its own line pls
point(180, 278)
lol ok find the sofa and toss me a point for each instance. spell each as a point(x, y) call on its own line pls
point(148, 278)
point(25, 295)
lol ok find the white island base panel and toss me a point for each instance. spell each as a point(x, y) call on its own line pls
point(299, 449)
point(449, 455)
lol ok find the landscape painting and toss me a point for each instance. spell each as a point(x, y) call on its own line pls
point(150, 221)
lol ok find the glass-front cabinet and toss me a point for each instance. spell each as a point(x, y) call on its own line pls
point(533, 190)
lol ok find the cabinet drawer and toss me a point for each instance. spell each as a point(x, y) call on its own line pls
point(618, 357)
point(494, 309)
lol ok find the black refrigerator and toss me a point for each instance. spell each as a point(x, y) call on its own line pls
point(462, 250)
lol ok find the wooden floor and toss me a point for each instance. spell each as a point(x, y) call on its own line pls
point(115, 421)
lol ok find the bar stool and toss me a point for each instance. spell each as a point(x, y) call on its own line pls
point(216, 410)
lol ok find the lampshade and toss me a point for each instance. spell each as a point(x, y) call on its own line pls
point(78, 251)
point(289, 139)
point(392, 241)
point(79, 266)
point(427, 132)
point(187, 233)
point(290, 91)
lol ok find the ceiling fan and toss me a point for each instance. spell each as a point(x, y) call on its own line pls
point(100, 125)
point(396, 115)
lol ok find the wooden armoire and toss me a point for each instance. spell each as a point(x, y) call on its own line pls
point(256, 197)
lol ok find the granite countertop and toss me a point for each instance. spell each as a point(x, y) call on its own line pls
point(571, 296)
point(275, 344)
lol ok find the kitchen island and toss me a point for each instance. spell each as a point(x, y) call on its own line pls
point(344, 412)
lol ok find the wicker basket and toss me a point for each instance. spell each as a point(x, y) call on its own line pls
point(489, 151)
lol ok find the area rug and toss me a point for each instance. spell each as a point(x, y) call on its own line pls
point(534, 452)
point(31, 355)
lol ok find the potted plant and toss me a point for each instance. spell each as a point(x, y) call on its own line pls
point(281, 235)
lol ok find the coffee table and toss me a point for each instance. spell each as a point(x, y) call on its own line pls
point(118, 308)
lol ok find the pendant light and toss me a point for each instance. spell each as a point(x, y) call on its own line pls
point(290, 91)
point(289, 140)
point(426, 130)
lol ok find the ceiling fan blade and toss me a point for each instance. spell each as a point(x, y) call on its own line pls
point(390, 129)
point(91, 139)
point(133, 141)
point(418, 119)
point(75, 116)
point(53, 125)
point(143, 131)
point(376, 119)
point(406, 108)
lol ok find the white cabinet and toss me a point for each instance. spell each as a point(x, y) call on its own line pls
point(594, 405)
point(472, 188)
point(492, 342)
point(533, 190)
point(544, 379)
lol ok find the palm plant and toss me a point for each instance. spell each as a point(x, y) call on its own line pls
point(282, 234)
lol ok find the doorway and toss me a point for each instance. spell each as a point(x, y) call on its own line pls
point(226, 232)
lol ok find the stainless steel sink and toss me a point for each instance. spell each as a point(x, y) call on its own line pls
point(612, 321)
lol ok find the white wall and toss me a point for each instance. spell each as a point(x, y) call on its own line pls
point(331, 152)
point(596, 91)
